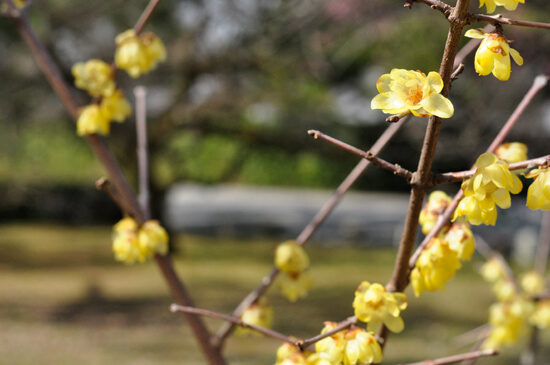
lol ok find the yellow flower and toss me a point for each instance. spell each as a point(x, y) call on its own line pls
point(126, 245)
point(296, 286)
point(508, 322)
point(505, 290)
point(541, 317)
point(493, 54)
point(258, 314)
point(491, 185)
point(317, 359)
point(403, 92)
point(461, 239)
point(350, 347)
point(288, 354)
point(512, 152)
point(115, 106)
point(94, 76)
point(92, 120)
point(374, 305)
point(532, 283)
point(492, 270)
point(436, 265)
point(492, 4)
point(332, 347)
point(138, 54)
point(291, 258)
point(538, 194)
point(153, 237)
point(361, 348)
point(438, 201)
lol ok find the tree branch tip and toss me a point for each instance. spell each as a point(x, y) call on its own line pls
point(541, 80)
point(313, 133)
point(393, 119)
point(101, 183)
point(174, 308)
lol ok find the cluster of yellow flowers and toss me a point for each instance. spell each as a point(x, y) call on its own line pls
point(294, 280)
point(375, 306)
point(403, 92)
point(349, 347)
point(132, 243)
point(259, 314)
point(442, 256)
point(491, 185)
point(137, 54)
point(516, 308)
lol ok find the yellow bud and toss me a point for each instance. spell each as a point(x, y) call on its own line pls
point(94, 76)
point(91, 121)
point(153, 237)
point(291, 258)
point(116, 107)
point(258, 314)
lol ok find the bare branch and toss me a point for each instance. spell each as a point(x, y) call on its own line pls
point(237, 321)
point(376, 161)
point(499, 19)
point(145, 16)
point(142, 151)
point(457, 358)
point(349, 322)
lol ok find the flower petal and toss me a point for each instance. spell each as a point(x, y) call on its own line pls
point(439, 105)
point(475, 33)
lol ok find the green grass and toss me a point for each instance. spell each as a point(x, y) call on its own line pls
point(63, 300)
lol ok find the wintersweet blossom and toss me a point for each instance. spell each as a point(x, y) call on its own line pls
point(436, 265)
point(291, 258)
point(492, 4)
point(350, 347)
point(288, 354)
point(493, 54)
point(532, 283)
point(92, 120)
point(493, 270)
point(538, 194)
point(94, 76)
point(438, 201)
point(461, 239)
point(294, 287)
point(258, 314)
point(372, 304)
point(403, 92)
point(153, 236)
point(508, 322)
point(490, 186)
point(126, 246)
point(138, 54)
point(541, 317)
point(132, 243)
point(512, 152)
point(115, 106)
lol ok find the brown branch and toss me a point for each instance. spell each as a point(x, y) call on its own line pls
point(538, 84)
point(104, 185)
point(349, 322)
point(127, 195)
point(236, 321)
point(313, 225)
point(457, 358)
point(450, 177)
point(376, 161)
point(499, 19)
point(145, 16)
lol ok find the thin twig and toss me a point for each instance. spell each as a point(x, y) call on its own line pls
point(376, 161)
point(538, 84)
point(457, 358)
point(145, 16)
point(236, 321)
point(349, 322)
point(225, 330)
point(541, 259)
point(142, 150)
point(104, 185)
point(450, 177)
point(499, 19)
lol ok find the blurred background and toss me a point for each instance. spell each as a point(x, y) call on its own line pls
point(234, 171)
